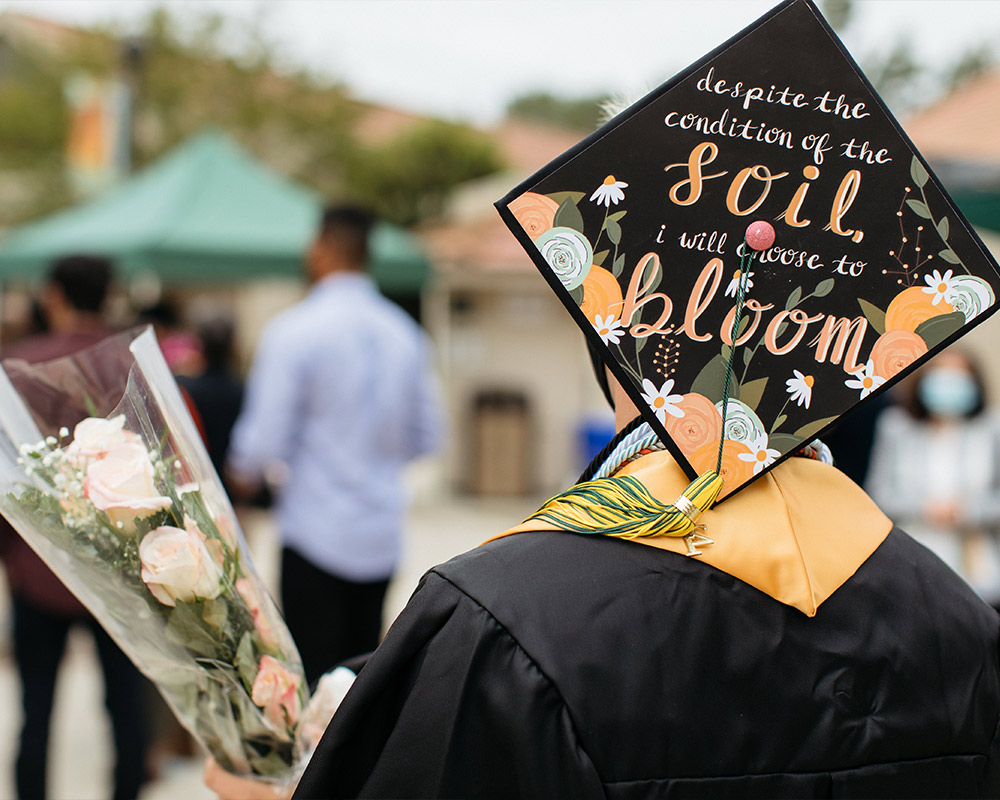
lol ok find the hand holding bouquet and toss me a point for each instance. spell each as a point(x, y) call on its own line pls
point(103, 473)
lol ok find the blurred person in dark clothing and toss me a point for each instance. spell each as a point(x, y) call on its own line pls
point(43, 609)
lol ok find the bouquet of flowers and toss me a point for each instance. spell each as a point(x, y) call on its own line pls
point(104, 474)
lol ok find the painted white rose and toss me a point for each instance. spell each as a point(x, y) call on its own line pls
point(568, 253)
point(95, 436)
point(970, 295)
point(121, 484)
point(177, 566)
point(742, 424)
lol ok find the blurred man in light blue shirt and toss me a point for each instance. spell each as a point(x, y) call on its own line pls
point(339, 400)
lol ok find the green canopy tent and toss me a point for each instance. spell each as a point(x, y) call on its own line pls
point(205, 213)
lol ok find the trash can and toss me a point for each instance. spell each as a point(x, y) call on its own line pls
point(501, 455)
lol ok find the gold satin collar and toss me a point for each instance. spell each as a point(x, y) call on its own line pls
point(797, 534)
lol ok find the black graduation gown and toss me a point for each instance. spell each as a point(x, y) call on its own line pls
point(552, 665)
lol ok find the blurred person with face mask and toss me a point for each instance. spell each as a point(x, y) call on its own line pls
point(936, 469)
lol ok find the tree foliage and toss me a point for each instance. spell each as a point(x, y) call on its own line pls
point(580, 113)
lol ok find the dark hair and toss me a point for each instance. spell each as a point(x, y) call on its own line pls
point(216, 336)
point(348, 226)
point(915, 406)
point(83, 280)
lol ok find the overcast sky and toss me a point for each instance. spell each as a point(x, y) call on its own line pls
point(466, 59)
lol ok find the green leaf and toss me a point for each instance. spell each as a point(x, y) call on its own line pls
point(793, 298)
point(942, 228)
point(782, 327)
point(949, 256)
point(726, 350)
point(577, 294)
point(614, 231)
point(823, 288)
point(568, 216)
point(779, 421)
point(744, 324)
point(809, 431)
point(783, 442)
point(874, 315)
point(215, 612)
point(752, 391)
point(936, 329)
point(640, 343)
point(918, 173)
point(618, 266)
point(711, 379)
point(561, 197)
point(186, 627)
point(245, 661)
point(599, 258)
point(616, 216)
point(917, 207)
point(747, 355)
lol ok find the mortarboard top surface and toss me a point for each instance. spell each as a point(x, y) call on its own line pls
point(872, 272)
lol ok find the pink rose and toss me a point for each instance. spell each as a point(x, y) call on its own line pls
point(177, 566)
point(121, 484)
point(94, 437)
point(276, 691)
point(260, 621)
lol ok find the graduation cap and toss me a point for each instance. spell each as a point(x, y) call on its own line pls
point(641, 230)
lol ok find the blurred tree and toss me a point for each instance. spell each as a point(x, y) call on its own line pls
point(837, 13)
point(582, 114)
point(407, 179)
point(970, 64)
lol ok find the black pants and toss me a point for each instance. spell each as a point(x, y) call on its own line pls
point(331, 619)
point(39, 642)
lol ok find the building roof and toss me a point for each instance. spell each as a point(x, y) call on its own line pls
point(963, 126)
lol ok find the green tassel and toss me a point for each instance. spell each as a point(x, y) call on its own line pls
point(624, 508)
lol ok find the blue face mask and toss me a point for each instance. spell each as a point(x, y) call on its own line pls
point(948, 392)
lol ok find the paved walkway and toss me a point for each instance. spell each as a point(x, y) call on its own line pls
point(80, 754)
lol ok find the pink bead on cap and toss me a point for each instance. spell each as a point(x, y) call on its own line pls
point(760, 235)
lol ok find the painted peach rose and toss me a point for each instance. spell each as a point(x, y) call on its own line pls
point(276, 691)
point(894, 351)
point(735, 471)
point(177, 566)
point(701, 423)
point(121, 484)
point(602, 294)
point(911, 307)
point(535, 212)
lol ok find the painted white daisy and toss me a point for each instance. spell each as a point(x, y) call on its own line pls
point(734, 284)
point(609, 192)
point(865, 379)
point(608, 328)
point(800, 388)
point(760, 455)
point(939, 285)
point(660, 400)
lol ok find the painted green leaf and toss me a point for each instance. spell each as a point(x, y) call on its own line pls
point(917, 207)
point(568, 216)
point(823, 288)
point(874, 315)
point(942, 228)
point(783, 442)
point(917, 172)
point(741, 328)
point(726, 349)
point(711, 379)
point(949, 256)
point(560, 197)
point(614, 231)
point(793, 298)
point(616, 216)
point(752, 391)
point(809, 431)
point(600, 257)
point(782, 327)
point(577, 295)
point(747, 355)
point(618, 266)
point(640, 343)
point(779, 421)
point(936, 329)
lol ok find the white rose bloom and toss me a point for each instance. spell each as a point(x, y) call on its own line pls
point(742, 424)
point(176, 565)
point(121, 484)
point(94, 436)
point(568, 253)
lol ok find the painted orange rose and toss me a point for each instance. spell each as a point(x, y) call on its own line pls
point(602, 295)
point(735, 472)
point(911, 307)
point(535, 212)
point(701, 423)
point(894, 351)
